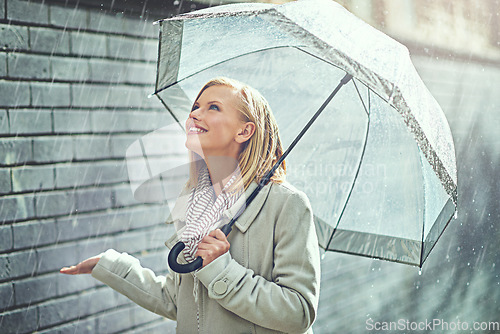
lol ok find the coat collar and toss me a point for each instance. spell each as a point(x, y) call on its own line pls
point(178, 213)
point(248, 216)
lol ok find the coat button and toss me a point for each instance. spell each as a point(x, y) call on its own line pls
point(220, 287)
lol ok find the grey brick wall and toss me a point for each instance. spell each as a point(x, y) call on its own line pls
point(73, 96)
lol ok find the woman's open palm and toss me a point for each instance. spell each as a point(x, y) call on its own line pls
point(84, 267)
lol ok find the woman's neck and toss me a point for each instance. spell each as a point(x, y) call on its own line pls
point(221, 169)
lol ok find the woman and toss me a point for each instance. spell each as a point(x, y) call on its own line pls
point(264, 277)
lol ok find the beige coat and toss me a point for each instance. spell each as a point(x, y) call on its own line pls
point(268, 282)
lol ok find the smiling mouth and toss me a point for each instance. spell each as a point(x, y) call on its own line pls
point(194, 129)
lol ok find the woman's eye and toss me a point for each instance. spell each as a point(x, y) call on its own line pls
point(194, 108)
point(214, 107)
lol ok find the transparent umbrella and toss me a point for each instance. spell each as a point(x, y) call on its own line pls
point(378, 164)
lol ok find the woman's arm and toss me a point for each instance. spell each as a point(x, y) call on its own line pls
point(289, 302)
point(123, 273)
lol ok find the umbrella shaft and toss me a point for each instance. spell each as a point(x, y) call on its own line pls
point(269, 174)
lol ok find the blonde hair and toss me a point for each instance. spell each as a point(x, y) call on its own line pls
point(263, 149)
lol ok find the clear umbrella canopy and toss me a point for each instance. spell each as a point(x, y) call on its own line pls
point(378, 165)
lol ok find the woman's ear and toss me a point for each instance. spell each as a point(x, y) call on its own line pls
point(246, 132)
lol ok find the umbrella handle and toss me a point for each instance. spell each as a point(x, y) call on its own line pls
point(189, 267)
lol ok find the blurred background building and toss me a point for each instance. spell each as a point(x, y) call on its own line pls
point(74, 81)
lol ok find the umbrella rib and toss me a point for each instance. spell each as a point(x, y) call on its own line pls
point(171, 113)
point(362, 102)
point(355, 177)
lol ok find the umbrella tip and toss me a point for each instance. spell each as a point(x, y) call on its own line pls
point(151, 95)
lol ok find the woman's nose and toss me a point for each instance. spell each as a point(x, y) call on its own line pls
point(195, 114)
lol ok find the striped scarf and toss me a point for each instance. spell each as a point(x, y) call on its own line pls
point(204, 211)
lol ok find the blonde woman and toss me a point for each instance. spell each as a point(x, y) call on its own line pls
point(262, 278)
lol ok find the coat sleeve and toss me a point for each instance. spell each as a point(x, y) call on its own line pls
point(124, 273)
point(289, 302)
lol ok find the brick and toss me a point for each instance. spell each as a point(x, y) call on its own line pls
point(146, 28)
point(114, 321)
point(5, 237)
point(124, 47)
point(72, 121)
point(132, 97)
point(106, 22)
point(92, 302)
point(131, 242)
point(20, 321)
point(55, 204)
point(35, 289)
point(19, 264)
point(14, 208)
point(88, 44)
point(95, 95)
point(155, 237)
point(14, 94)
point(49, 40)
point(28, 66)
point(86, 226)
point(110, 121)
point(3, 64)
point(14, 150)
point(122, 72)
point(24, 121)
point(129, 121)
point(13, 37)
point(80, 326)
point(91, 147)
point(4, 122)
point(68, 17)
point(30, 178)
point(2, 8)
point(91, 247)
point(121, 300)
point(123, 196)
point(118, 23)
point(75, 227)
point(58, 311)
point(51, 149)
point(162, 325)
point(68, 284)
point(72, 175)
point(53, 258)
point(50, 95)
point(20, 10)
point(5, 182)
point(103, 70)
point(6, 296)
point(70, 69)
point(33, 234)
point(144, 73)
point(93, 199)
point(121, 143)
point(153, 215)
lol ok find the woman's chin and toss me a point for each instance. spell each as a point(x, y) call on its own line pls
point(194, 148)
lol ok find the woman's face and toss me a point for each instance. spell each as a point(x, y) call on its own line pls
point(214, 126)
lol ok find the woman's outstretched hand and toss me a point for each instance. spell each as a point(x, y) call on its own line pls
point(84, 267)
point(212, 246)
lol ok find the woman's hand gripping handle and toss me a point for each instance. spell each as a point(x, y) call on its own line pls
point(198, 263)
